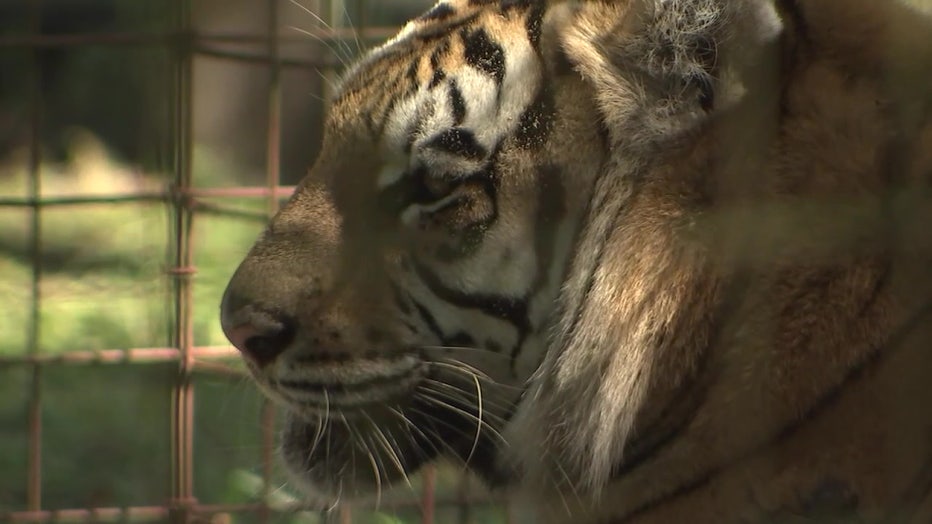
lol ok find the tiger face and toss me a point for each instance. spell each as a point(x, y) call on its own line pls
point(398, 304)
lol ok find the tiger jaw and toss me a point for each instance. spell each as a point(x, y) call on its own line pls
point(337, 458)
point(344, 388)
point(353, 426)
point(356, 450)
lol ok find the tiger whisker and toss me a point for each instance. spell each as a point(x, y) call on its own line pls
point(405, 423)
point(412, 426)
point(372, 449)
point(392, 455)
point(564, 480)
point(352, 27)
point(451, 452)
point(475, 441)
point(322, 422)
point(344, 59)
point(479, 406)
point(471, 371)
point(462, 366)
point(318, 432)
point(440, 402)
point(363, 444)
point(457, 393)
point(469, 349)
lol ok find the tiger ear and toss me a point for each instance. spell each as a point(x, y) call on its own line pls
point(662, 66)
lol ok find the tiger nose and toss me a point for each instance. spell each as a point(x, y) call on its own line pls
point(259, 334)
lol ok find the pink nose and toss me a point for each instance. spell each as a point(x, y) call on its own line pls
point(260, 336)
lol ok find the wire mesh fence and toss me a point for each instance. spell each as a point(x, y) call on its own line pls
point(121, 401)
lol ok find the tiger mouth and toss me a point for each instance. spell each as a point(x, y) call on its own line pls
point(347, 388)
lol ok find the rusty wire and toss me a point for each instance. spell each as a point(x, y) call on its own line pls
point(34, 473)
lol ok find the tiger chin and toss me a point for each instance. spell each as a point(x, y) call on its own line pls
point(637, 261)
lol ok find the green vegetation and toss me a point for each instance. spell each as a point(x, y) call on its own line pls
point(104, 284)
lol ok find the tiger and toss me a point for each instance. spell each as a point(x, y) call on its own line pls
point(627, 261)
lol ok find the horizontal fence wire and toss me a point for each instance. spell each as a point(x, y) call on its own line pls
point(203, 512)
point(185, 203)
point(191, 39)
point(120, 356)
point(168, 195)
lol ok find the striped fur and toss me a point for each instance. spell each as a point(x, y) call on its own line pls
point(641, 260)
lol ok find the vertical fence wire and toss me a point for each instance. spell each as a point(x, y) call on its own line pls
point(183, 394)
point(272, 177)
point(34, 479)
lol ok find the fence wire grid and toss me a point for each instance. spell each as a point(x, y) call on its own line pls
point(189, 367)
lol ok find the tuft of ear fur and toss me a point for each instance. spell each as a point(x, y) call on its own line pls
point(634, 294)
point(660, 67)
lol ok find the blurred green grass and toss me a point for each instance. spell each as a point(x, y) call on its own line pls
point(104, 267)
point(105, 284)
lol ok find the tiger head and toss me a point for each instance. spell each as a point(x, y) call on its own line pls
point(401, 300)
point(442, 250)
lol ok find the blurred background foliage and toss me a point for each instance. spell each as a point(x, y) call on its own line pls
point(104, 127)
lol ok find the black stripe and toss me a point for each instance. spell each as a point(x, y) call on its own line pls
point(458, 103)
point(398, 297)
point(438, 77)
point(791, 11)
point(417, 186)
point(793, 44)
point(484, 54)
point(460, 339)
point(420, 186)
point(536, 121)
point(428, 319)
point(469, 237)
point(435, 57)
point(672, 422)
point(458, 141)
point(339, 388)
point(551, 211)
point(411, 74)
point(510, 309)
point(534, 23)
point(561, 65)
point(687, 401)
point(437, 54)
